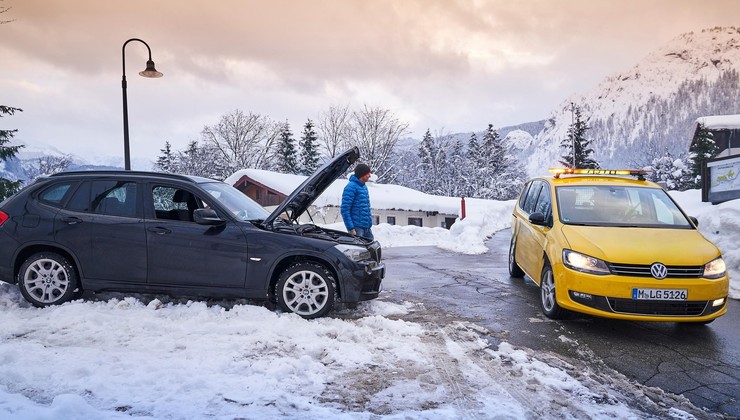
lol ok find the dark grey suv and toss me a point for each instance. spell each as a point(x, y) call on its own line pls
point(158, 233)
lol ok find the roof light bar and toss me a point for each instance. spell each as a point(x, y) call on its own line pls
point(639, 173)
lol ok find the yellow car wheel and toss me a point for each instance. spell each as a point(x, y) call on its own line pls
point(548, 298)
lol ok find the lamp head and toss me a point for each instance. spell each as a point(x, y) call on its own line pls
point(150, 70)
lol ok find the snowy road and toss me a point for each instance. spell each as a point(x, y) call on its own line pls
point(700, 363)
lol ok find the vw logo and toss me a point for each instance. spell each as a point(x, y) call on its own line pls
point(659, 271)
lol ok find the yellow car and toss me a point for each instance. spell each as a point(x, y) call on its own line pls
point(605, 243)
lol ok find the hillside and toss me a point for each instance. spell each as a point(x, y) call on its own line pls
point(651, 108)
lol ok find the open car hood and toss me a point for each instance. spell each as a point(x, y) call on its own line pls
point(303, 196)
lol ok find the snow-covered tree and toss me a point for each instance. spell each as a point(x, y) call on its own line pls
point(167, 160)
point(241, 140)
point(309, 149)
point(45, 165)
point(205, 161)
point(332, 127)
point(376, 131)
point(702, 148)
point(8, 187)
point(674, 172)
point(285, 153)
point(578, 151)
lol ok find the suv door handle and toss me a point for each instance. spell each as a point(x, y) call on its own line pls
point(159, 230)
point(72, 220)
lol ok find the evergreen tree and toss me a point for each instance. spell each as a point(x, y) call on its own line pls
point(425, 174)
point(675, 173)
point(702, 148)
point(166, 161)
point(8, 187)
point(309, 149)
point(286, 154)
point(579, 151)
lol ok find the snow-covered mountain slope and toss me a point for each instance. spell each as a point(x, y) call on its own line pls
point(650, 109)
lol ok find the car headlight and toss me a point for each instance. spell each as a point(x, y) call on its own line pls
point(715, 269)
point(354, 253)
point(581, 262)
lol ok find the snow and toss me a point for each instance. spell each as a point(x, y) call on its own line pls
point(718, 122)
point(126, 356)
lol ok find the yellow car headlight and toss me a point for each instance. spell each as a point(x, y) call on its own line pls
point(715, 269)
point(584, 263)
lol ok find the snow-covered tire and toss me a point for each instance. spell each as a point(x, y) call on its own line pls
point(514, 270)
point(47, 278)
point(306, 289)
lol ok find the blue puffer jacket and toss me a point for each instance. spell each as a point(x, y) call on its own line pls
point(356, 205)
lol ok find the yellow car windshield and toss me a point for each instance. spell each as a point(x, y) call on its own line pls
point(627, 206)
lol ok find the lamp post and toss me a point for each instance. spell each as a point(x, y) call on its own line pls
point(151, 72)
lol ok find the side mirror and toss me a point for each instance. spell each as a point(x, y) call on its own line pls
point(207, 217)
point(537, 218)
point(694, 220)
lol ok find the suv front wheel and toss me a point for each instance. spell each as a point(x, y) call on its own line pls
point(548, 299)
point(306, 289)
point(47, 278)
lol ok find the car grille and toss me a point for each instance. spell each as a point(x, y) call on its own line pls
point(657, 307)
point(674, 271)
point(375, 251)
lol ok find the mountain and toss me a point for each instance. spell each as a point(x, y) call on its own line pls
point(651, 109)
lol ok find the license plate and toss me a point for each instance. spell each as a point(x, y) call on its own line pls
point(659, 294)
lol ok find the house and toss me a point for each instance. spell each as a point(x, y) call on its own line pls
point(392, 204)
point(725, 131)
point(720, 181)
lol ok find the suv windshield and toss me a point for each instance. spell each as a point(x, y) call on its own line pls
point(239, 204)
point(606, 205)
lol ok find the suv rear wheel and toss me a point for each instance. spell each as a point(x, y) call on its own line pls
point(306, 289)
point(47, 278)
point(514, 270)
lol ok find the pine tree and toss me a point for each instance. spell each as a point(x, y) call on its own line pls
point(579, 155)
point(675, 173)
point(166, 161)
point(285, 153)
point(8, 187)
point(702, 148)
point(309, 149)
point(425, 174)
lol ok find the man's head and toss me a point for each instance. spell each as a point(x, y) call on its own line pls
point(362, 172)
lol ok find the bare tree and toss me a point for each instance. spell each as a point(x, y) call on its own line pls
point(4, 9)
point(243, 140)
point(375, 131)
point(46, 165)
point(333, 126)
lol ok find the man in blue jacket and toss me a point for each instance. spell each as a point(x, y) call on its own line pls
point(356, 203)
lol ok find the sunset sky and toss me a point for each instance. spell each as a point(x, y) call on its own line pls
point(443, 65)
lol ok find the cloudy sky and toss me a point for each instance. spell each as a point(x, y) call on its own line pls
point(450, 66)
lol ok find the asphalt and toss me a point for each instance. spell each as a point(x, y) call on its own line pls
point(699, 362)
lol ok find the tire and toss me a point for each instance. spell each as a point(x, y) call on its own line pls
point(548, 299)
point(306, 289)
point(47, 278)
point(514, 270)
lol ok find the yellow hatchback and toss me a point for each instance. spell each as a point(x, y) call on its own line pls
point(611, 244)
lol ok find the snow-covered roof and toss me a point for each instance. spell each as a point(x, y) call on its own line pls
point(718, 122)
point(382, 196)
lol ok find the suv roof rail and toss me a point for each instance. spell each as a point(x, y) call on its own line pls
point(122, 172)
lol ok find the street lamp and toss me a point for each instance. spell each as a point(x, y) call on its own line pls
point(150, 71)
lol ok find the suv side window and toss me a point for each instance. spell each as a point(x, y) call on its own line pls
point(55, 194)
point(113, 198)
point(532, 194)
point(543, 202)
point(174, 203)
